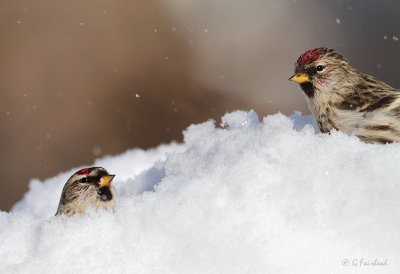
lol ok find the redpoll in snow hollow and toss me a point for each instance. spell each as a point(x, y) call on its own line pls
point(342, 98)
point(87, 186)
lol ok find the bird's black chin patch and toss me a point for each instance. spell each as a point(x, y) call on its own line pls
point(308, 89)
point(105, 194)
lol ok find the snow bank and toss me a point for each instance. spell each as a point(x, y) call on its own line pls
point(250, 197)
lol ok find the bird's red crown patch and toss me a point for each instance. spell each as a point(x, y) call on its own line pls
point(84, 171)
point(309, 56)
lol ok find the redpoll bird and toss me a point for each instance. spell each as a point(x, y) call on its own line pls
point(342, 98)
point(87, 186)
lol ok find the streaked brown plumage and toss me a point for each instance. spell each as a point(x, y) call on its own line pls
point(87, 186)
point(342, 98)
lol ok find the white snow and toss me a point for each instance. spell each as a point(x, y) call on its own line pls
point(249, 197)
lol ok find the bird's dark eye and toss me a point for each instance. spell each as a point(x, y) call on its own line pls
point(84, 180)
point(320, 68)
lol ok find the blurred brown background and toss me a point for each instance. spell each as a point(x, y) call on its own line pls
point(82, 79)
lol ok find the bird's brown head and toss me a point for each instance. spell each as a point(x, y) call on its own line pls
point(87, 186)
point(320, 69)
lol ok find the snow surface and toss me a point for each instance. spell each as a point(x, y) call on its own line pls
point(247, 197)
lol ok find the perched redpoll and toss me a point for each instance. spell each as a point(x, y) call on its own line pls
point(342, 98)
point(87, 186)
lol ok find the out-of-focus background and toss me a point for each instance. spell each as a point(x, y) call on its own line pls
point(83, 79)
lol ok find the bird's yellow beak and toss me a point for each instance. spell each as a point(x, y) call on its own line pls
point(300, 78)
point(106, 180)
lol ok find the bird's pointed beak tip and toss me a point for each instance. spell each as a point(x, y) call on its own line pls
point(300, 78)
point(106, 180)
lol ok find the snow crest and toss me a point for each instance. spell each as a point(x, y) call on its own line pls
point(248, 197)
